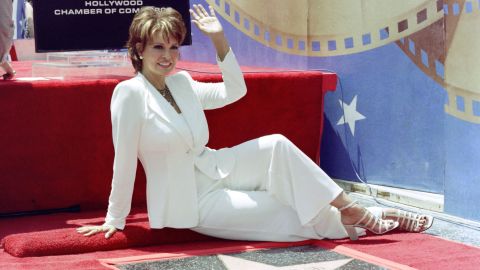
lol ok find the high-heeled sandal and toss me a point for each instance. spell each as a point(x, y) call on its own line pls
point(408, 221)
point(8, 76)
point(373, 223)
point(10, 72)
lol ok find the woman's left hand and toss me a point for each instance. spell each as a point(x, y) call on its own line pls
point(207, 23)
point(109, 230)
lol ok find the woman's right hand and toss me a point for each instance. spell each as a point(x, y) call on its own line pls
point(92, 230)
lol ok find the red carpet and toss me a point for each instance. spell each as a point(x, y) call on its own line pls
point(67, 241)
point(394, 251)
point(421, 251)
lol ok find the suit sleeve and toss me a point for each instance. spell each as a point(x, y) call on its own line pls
point(127, 110)
point(217, 95)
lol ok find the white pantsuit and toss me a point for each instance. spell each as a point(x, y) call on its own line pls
point(263, 189)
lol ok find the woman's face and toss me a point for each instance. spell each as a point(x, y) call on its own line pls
point(159, 56)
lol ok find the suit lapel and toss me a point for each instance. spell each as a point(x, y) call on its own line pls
point(158, 104)
point(191, 109)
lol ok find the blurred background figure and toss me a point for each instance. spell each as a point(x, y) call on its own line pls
point(19, 10)
point(29, 32)
point(6, 37)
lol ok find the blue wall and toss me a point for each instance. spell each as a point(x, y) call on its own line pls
point(401, 140)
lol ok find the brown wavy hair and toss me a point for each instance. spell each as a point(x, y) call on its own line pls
point(146, 23)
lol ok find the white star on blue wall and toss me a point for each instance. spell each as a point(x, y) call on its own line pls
point(350, 114)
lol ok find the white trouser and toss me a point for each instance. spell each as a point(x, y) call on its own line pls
point(274, 193)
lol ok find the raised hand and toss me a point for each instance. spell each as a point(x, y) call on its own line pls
point(207, 23)
point(210, 25)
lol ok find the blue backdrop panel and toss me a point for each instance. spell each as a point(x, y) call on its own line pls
point(462, 170)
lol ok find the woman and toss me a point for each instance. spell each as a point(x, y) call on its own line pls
point(6, 37)
point(263, 189)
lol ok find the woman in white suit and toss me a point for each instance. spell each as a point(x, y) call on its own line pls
point(264, 189)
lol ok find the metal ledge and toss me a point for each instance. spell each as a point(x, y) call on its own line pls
point(424, 200)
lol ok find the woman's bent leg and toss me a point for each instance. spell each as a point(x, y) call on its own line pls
point(275, 165)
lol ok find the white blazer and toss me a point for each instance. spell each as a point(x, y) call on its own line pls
point(168, 145)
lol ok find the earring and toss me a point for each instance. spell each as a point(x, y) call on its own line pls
point(141, 57)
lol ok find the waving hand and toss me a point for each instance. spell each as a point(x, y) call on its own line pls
point(207, 23)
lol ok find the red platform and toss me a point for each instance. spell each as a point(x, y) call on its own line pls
point(56, 135)
point(57, 147)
